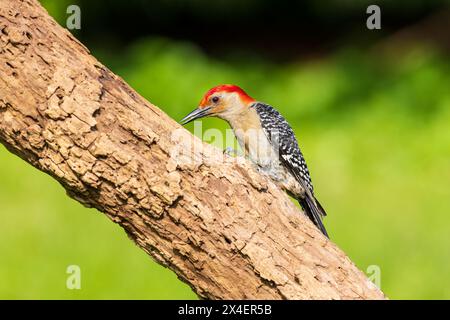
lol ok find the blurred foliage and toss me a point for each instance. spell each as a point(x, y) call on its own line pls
point(374, 127)
point(277, 30)
point(58, 8)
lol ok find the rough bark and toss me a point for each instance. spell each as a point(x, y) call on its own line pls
point(219, 225)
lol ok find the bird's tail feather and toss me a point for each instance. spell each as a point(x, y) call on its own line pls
point(315, 212)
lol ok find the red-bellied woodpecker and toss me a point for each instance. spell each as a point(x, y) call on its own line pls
point(267, 140)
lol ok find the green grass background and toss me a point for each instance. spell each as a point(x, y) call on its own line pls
point(373, 127)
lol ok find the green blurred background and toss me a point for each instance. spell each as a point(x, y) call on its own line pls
point(371, 110)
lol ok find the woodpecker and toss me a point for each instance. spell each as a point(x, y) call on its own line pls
point(267, 140)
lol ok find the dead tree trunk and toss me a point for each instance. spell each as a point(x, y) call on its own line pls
point(220, 226)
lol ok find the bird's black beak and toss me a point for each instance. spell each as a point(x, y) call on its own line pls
point(196, 114)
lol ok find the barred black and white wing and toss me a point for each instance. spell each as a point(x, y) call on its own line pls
point(282, 138)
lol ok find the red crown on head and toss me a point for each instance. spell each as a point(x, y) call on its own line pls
point(227, 88)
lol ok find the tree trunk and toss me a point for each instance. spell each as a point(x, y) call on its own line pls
point(220, 226)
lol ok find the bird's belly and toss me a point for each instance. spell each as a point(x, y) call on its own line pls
point(257, 147)
point(261, 152)
point(283, 178)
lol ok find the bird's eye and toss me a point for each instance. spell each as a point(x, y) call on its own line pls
point(215, 99)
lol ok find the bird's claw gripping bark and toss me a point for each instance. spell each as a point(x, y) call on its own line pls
point(230, 151)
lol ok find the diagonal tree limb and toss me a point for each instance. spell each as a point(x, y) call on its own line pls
point(220, 226)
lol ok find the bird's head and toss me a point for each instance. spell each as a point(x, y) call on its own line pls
point(224, 101)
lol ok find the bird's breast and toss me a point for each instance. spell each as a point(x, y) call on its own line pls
point(261, 152)
point(251, 137)
point(256, 146)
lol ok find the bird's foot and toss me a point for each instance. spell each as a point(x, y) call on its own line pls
point(230, 151)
